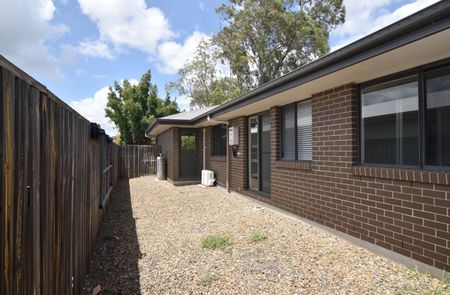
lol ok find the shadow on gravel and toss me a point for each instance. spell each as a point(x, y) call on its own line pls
point(114, 264)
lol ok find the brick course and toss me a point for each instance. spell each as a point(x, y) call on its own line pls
point(218, 164)
point(166, 141)
point(238, 165)
point(402, 210)
point(170, 146)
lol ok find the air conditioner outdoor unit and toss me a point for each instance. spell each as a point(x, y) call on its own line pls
point(208, 178)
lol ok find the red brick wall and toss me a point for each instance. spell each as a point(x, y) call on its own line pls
point(404, 211)
point(218, 164)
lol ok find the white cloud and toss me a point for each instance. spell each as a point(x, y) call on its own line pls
point(93, 109)
point(68, 54)
point(25, 32)
point(183, 102)
point(365, 17)
point(173, 56)
point(125, 23)
point(99, 76)
point(80, 72)
point(201, 5)
point(96, 48)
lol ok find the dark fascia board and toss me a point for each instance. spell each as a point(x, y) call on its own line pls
point(424, 23)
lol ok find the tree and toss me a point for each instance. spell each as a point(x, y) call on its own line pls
point(264, 39)
point(132, 107)
point(203, 82)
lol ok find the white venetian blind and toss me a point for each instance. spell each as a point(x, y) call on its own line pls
point(304, 131)
point(288, 132)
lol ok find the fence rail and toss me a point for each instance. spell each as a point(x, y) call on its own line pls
point(138, 160)
point(54, 178)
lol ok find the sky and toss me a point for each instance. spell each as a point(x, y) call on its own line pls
point(77, 48)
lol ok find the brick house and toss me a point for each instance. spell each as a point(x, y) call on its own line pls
point(357, 141)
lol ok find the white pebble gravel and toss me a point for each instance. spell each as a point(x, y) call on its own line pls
point(296, 258)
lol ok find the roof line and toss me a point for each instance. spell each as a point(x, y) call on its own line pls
point(428, 21)
point(162, 121)
point(419, 22)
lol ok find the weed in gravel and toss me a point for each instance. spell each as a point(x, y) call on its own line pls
point(259, 237)
point(207, 280)
point(422, 286)
point(443, 287)
point(214, 242)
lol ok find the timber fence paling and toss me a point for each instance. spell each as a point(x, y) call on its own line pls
point(138, 160)
point(49, 188)
point(55, 176)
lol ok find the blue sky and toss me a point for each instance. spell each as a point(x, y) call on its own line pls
point(77, 48)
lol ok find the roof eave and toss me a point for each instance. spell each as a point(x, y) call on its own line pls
point(419, 25)
point(175, 122)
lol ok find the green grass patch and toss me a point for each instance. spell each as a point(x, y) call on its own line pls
point(214, 242)
point(207, 280)
point(259, 237)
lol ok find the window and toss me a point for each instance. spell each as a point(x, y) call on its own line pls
point(304, 131)
point(296, 132)
point(188, 142)
point(402, 126)
point(219, 140)
point(437, 117)
point(390, 123)
point(288, 133)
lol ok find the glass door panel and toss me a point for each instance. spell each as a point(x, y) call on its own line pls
point(264, 148)
point(253, 173)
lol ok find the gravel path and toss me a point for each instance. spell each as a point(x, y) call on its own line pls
point(151, 243)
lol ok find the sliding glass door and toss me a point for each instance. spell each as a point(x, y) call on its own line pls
point(259, 152)
point(253, 158)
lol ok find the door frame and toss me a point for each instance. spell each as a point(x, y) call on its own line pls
point(248, 162)
point(197, 151)
point(249, 153)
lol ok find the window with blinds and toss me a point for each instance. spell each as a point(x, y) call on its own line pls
point(296, 132)
point(304, 131)
point(288, 133)
point(219, 140)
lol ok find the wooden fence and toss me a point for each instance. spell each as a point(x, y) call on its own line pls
point(55, 175)
point(138, 160)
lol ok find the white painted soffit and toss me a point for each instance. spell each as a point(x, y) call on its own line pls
point(161, 128)
point(424, 51)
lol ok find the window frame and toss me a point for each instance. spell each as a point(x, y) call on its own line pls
point(443, 69)
point(213, 137)
point(295, 106)
point(420, 73)
point(384, 84)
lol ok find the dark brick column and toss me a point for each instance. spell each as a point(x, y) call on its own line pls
point(176, 154)
point(238, 165)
